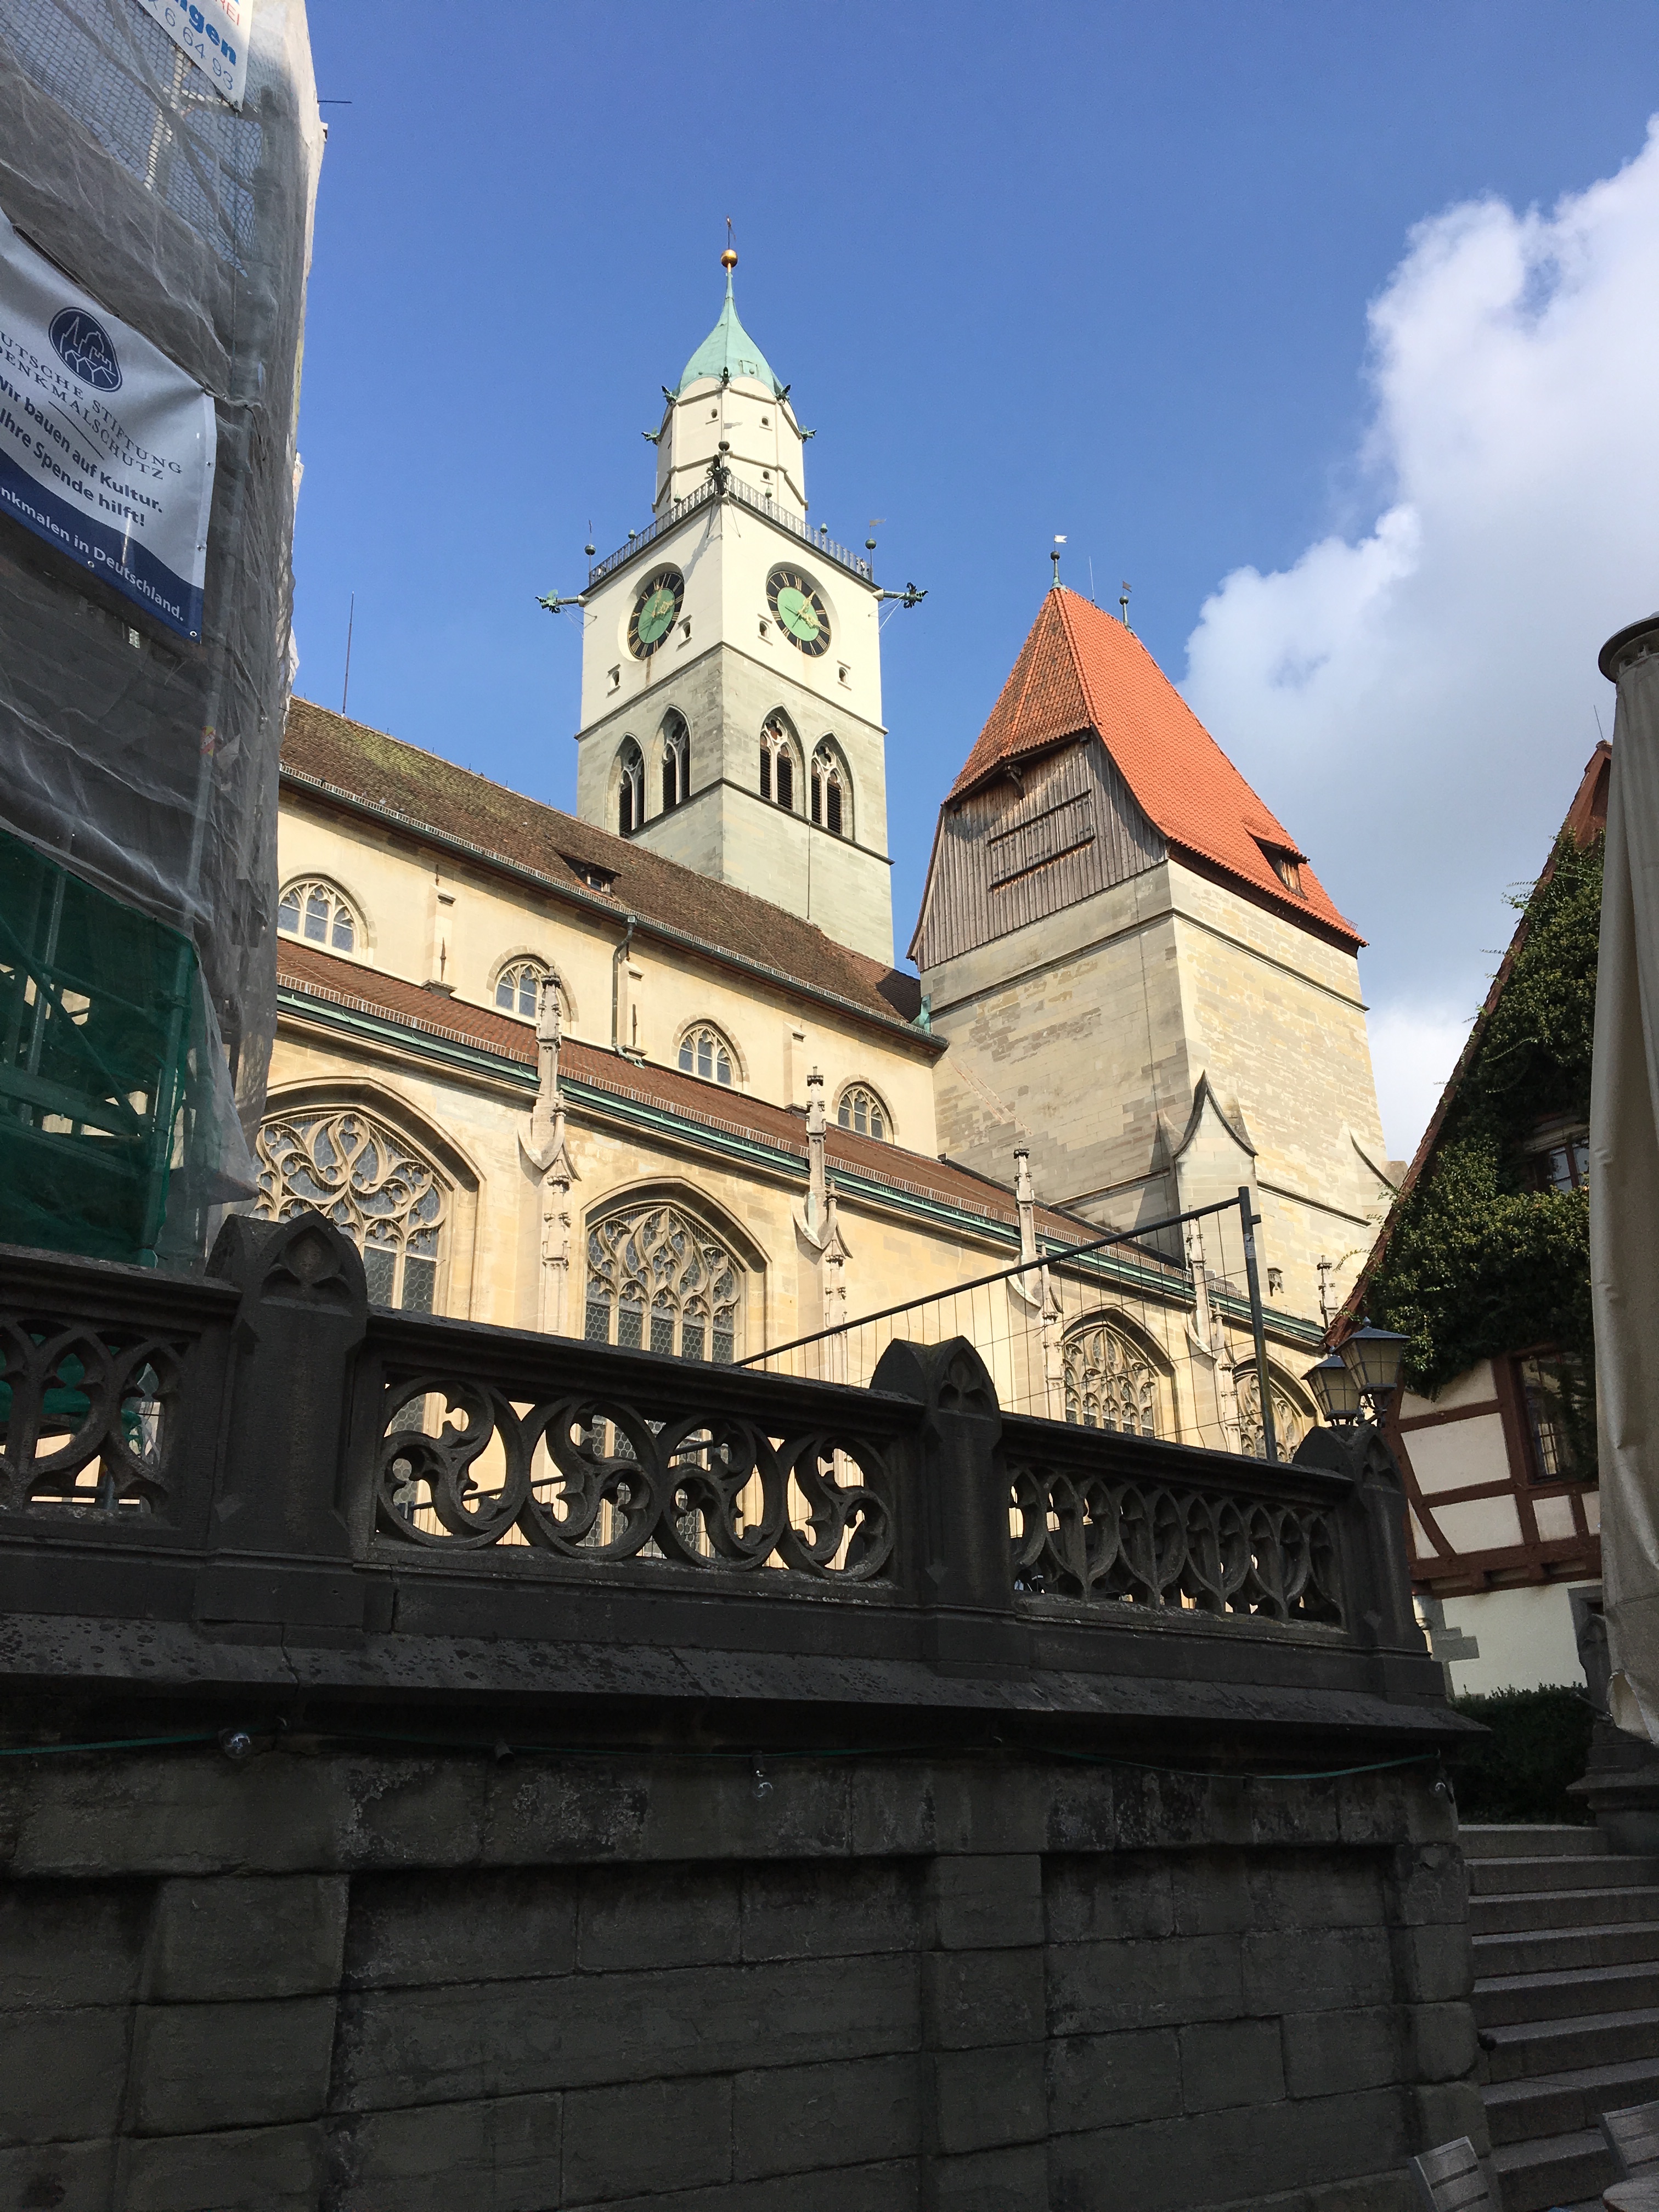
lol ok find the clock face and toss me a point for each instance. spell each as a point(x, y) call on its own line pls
point(656, 611)
point(794, 599)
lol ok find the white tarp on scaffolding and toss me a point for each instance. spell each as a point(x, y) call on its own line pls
point(214, 33)
point(1625, 1189)
point(107, 448)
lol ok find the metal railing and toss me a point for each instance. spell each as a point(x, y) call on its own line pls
point(741, 495)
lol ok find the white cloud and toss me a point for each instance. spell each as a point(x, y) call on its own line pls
point(1418, 701)
point(1413, 1050)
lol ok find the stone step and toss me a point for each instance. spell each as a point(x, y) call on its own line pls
point(1507, 2000)
point(1557, 2104)
point(1553, 2046)
point(1554, 1950)
point(1552, 2170)
point(1534, 1911)
point(1530, 1839)
point(1503, 1877)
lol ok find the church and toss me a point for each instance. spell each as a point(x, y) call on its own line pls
point(649, 1072)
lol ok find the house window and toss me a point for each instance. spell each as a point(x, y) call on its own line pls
point(1564, 1166)
point(676, 761)
point(1560, 1397)
point(630, 788)
point(517, 988)
point(317, 911)
point(1109, 1382)
point(368, 1180)
point(704, 1052)
point(829, 790)
point(861, 1111)
point(658, 1281)
point(777, 763)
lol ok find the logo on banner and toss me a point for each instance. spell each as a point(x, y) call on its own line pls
point(83, 347)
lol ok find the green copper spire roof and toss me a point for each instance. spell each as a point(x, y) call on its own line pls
point(728, 348)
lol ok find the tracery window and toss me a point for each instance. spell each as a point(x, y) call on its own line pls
point(630, 788)
point(705, 1052)
point(369, 1181)
point(317, 909)
point(660, 1281)
point(862, 1111)
point(829, 790)
point(517, 988)
point(777, 762)
point(1109, 1382)
point(676, 761)
point(1292, 1421)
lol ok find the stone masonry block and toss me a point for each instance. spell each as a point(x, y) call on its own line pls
point(1210, 1892)
point(59, 2177)
point(1316, 1891)
point(566, 1812)
point(709, 1810)
point(971, 1999)
point(71, 1943)
point(670, 1916)
point(1433, 1964)
point(984, 1902)
point(1327, 2053)
point(1427, 1883)
point(1294, 1813)
point(1445, 2110)
point(646, 2137)
point(791, 2120)
point(247, 1935)
point(178, 1815)
point(423, 1929)
point(1111, 2080)
point(1232, 2062)
point(501, 2155)
point(886, 2188)
point(891, 1816)
point(509, 2038)
point(64, 2072)
point(1316, 1967)
point(1442, 2041)
point(1082, 1810)
point(200, 2067)
point(977, 1808)
point(983, 2099)
point(248, 2170)
point(1095, 1988)
point(990, 2181)
point(814, 1911)
point(1103, 1898)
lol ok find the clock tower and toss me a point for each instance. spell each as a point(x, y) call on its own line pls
point(731, 710)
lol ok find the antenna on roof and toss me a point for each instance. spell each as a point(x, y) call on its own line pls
point(1123, 601)
point(350, 621)
point(1055, 556)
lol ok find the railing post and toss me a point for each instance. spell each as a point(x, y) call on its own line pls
point(956, 1556)
point(1259, 1325)
point(1376, 1573)
point(279, 1531)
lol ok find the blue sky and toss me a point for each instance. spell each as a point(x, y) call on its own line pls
point(1103, 270)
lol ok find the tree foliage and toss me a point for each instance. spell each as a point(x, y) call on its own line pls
point(1480, 1263)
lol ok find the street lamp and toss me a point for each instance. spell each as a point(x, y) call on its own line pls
point(1373, 1356)
point(1336, 1392)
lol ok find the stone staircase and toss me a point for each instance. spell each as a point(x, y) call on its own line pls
point(1566, 1997)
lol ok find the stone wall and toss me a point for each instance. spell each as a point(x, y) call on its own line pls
point(389, 1980)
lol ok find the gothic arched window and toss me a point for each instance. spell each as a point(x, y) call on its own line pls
point(1110, 1383)
point(830, 792)
point(517, 988)
point(861, 1111)
point(369, 1181)
point(318, 909)
point(660, 1281)
point(630, 788)
point(777, 762)
point(1292, 1420)
point(676, 761)
point(705, 1052)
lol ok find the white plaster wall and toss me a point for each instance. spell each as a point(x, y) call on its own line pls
point(1525, 1636)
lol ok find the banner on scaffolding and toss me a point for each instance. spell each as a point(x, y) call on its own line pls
point(107, 447)
point(214, 33)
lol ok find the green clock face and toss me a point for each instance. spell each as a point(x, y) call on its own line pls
point(656, 611)
point(794, 599)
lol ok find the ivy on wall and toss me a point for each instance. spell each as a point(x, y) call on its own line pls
point(1480, 1263)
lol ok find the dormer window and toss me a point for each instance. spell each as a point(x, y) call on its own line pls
point(1286, 864)
point(596, 878)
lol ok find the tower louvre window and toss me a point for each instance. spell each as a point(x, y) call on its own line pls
point(676, 761)
point(828, 792)
point(630, 788)
point(777, 762)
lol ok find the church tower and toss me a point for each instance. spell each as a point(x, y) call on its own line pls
point(730, 709)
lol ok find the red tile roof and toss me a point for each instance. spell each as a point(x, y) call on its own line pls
point(316, 974)
point(1080, 669)
point(328, 752)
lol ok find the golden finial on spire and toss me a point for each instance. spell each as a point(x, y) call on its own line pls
point(729, 259)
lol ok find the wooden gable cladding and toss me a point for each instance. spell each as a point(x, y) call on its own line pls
point(1035, 840)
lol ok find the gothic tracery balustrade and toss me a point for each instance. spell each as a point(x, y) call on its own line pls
point(371, 1184)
